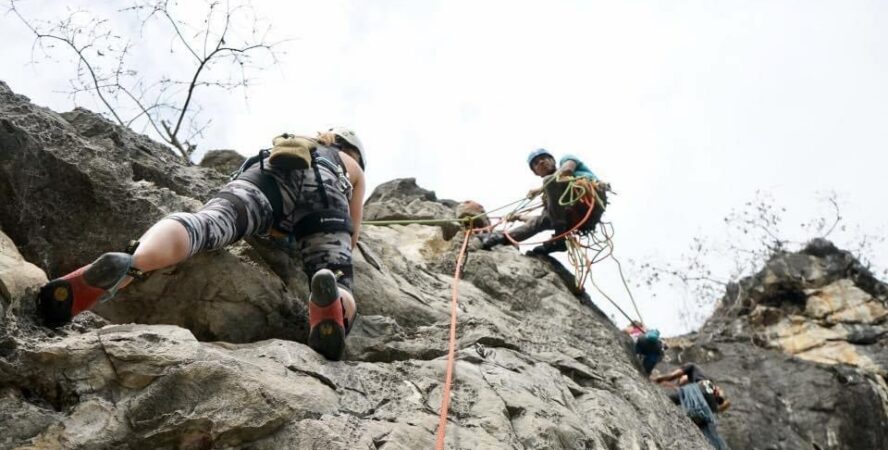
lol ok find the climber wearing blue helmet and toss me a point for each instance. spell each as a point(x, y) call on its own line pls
point(648, 345)
point(569, 165)
point(555, 217)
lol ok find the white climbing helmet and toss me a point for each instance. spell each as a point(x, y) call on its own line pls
point(348, 135)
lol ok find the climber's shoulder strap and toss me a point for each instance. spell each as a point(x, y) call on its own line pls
point(330, 158)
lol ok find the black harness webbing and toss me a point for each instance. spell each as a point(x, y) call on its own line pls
point(326, 220)
point(320, 181)
point(323, 221)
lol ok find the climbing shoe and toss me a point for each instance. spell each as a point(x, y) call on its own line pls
point(548, 247)
point(291, 152)
point(63, 298)
point(490, 240)
point(326, 316)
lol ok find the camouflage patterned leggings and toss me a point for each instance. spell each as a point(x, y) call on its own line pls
point(220, 222)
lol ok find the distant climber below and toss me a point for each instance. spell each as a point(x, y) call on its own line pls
point(557, 215)
point(699, 397)
point(308, 190)
point(649, 348)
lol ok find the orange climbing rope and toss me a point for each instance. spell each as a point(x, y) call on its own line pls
point(448, 378)
point(579, 224)
point(579, 257)
point(578, 251)
point(584, 251)
point(578, 254)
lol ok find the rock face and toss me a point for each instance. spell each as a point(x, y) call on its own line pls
point(209, 354)
point(224, 161)
point(536, 369)
point(216, 358)
point(17, 276)
point(801, 349)
point(402, 199)
point(73, 182)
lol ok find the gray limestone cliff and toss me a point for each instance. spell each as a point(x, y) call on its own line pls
point(210, 353)
point(801, 349)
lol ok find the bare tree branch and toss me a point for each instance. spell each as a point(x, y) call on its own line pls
point(167, 105)
point(69, 41)
point(754, 234)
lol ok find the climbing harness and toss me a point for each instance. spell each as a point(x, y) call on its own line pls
point(327, 220)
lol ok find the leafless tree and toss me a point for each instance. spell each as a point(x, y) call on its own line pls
point(222, 52)
point(752, 235)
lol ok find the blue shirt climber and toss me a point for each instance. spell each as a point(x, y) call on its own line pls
point(555, 216)
point(581, 170)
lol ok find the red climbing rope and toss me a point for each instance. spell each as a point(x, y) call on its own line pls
point(587, 202)
point(445, 398)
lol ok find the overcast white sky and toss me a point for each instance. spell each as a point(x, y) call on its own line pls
point(687, 108)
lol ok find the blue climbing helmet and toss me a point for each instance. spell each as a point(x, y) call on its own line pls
point(649, 343)
point(536, 153)
point(653, 334)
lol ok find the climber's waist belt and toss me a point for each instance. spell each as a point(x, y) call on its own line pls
point(323, 221)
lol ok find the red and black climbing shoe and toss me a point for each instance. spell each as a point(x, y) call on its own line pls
point(63, 298)
point(326, 316)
